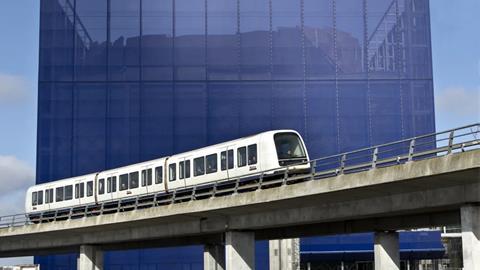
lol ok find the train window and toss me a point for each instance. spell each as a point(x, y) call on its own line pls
point(77, 191)
point(223, 160)
point(230, 159)
point(158, 175)
point(184, 169)
point(172, 172)
point(146, 177)
point(59, 194)
point(252, 154)
point(68, 192)
point(111, 184)
point(34, 198)
point(133, 180)
point(211, 163)
point(187, 169)
point(241, 156)
point(101, 186)
point(89, 188)
point(82, 190)
point(199, 166)
point(49, 195)
point(40, 197)
point(123, 182)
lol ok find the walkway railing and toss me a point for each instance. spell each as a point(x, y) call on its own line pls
point(417, 148)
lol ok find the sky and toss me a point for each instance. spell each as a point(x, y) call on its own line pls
point(456, 72)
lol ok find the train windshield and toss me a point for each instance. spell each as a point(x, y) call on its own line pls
point(289, 148)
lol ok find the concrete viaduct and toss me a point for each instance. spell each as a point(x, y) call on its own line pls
point(427, 193)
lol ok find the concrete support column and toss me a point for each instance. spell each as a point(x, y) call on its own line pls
point(239, 251)
point(214, 257)
point(470, 216)
point(90, 258)
point(284, 254)
point(387, 251)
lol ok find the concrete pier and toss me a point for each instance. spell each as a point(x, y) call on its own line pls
point(214, 257)
point(90, 258)
point(239, 250)
point(284, 254)
point(386, 251)
point(470, 218)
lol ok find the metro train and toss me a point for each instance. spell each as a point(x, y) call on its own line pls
point(248, 156)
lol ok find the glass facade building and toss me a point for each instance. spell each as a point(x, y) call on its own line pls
point(123, 81)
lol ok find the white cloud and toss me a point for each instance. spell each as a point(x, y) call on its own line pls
point(15, 178)
point(12, 88)
point(458, 102)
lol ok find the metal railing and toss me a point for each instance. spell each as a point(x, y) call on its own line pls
point(390, 154)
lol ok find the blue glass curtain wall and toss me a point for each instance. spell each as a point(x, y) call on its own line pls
point(123, 81)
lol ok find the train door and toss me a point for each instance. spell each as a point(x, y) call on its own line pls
point(226, 161)
point(147, 178)
point(79, 186)
point(49, 197)
point(111, 182)
point(184, 171)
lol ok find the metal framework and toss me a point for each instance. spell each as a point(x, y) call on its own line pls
point(409, 150)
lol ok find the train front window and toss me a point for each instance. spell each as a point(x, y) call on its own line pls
point(289, 147)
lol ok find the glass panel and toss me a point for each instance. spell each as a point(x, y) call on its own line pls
point(149, 177)
point(230, 159)
point(199, 166)
point(34, 199)
point(158, 175)
point(123, 124)
point(101, 186)
point(47, 196)
point(77, 191)
point(319, 43)
point(289, 146)
point(190, 116)
point(222, 40)
point(211, 161)
point(190, 40)
point(40, 197)
point(56, 40)
point(287, 40)
point(133, 180)
point(181, 168)
point(109, 185)
point(114, 184)
point(241, 156)
point(187, 169)
point(255, 40)
point(172, 172)
point(252, 154)
point(124, 53)
point(144, 178)
point(82, 190)
point(157, 40)
point(68, 192)
point(89, 134)
point(350, 34)
point(59, 194)
point(123, 182)
point(55, 106)
point(223, 160)
point(153, 134)
point(89, 188)
point(91, 40)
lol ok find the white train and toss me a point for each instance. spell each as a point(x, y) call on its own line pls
point(239, 158)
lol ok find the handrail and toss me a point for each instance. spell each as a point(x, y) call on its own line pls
point(406, 150)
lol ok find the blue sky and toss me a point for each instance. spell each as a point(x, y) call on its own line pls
point(456, 66)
